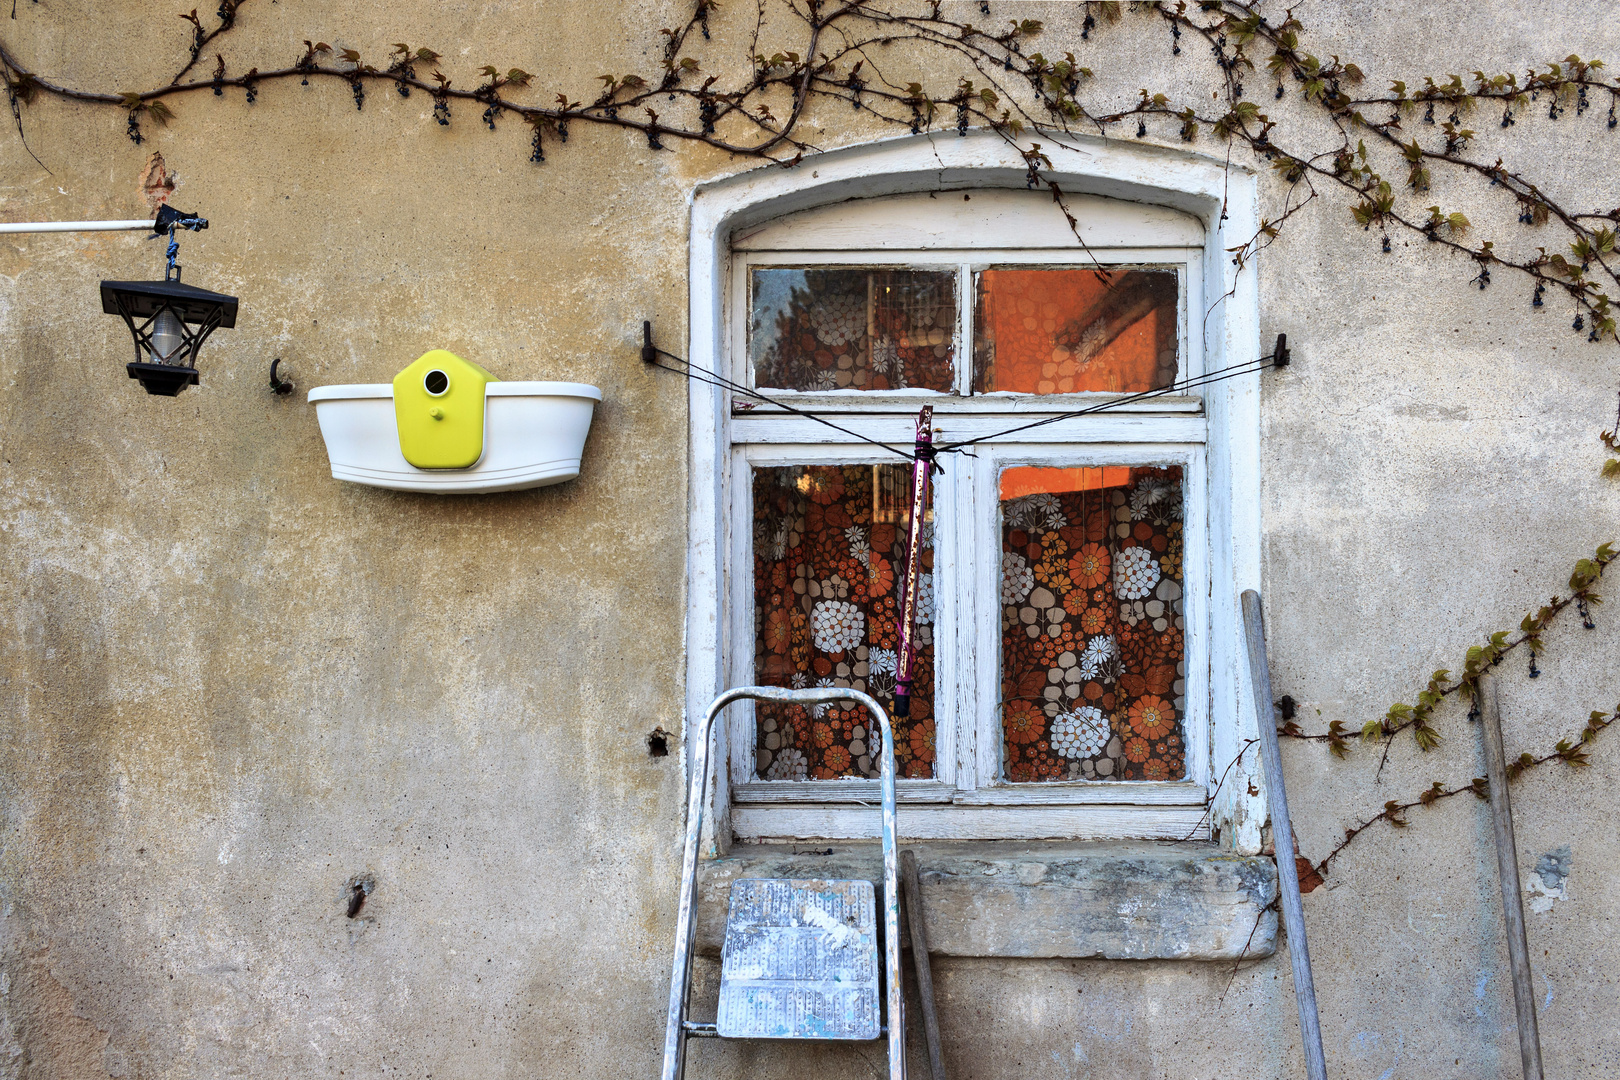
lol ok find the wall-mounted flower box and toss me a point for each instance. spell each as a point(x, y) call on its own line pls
point(533, 434)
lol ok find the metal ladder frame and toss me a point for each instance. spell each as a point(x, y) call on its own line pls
point(679, 1029)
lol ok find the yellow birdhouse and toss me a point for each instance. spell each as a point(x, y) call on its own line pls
point(439, 408)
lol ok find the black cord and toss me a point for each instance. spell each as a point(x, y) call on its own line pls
point(1218, 375)
point(704, 375)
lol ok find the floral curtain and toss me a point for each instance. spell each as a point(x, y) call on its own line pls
point(829, 541)
point(1093, 635)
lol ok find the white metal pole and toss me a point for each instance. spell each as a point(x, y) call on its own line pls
point(74, 226)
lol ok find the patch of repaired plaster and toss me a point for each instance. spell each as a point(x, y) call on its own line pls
point(1545, 885)
point(45, 1032)
point(11, 1051)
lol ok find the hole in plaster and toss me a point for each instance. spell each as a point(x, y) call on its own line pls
point(658, 743)
point(156, 183)
point(356, 891)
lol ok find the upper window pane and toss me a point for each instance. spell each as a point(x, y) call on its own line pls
point(1093, 669)
point(829, 546)
point(1070, 331)
point(852, 328)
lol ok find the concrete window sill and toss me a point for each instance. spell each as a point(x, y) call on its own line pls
point(1112, 900)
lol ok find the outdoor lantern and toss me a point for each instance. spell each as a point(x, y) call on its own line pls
point(168, 320)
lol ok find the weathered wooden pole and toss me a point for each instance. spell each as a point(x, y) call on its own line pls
point(911, 888)
point(1293, 910)
point(1507, 868)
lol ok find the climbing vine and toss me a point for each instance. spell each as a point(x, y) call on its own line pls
point(1571, 751)
point(1381, 157)
point(1004, 83)
point(1477, 661)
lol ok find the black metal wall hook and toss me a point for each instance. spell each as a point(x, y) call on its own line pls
point(281, 386)
point(649, 354)
point(1280, 356)
point(169, 218)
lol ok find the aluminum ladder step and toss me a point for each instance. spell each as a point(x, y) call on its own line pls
point(800, 957)
point(800, 961)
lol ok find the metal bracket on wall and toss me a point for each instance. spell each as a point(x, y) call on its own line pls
point(281, 386)
point(1280, 356)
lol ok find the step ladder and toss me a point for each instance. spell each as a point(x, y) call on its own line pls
point(800, 957)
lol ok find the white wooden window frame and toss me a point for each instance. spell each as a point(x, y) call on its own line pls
point(1213, 435)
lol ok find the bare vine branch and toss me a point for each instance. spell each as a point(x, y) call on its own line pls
point(1569, 751)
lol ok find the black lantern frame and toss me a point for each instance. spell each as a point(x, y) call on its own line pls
point(195, 313)
point(198, 312)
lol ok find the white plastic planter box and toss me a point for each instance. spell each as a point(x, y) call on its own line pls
point(534, 434)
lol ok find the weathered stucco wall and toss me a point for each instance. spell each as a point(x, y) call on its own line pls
point(232, 684)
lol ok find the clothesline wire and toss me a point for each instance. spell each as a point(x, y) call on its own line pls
point(1248, 367)
point(715, 379)
point(704, 375)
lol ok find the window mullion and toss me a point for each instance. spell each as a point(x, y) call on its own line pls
point(740, 730)
point(967, 615)
point(986, 718)
point(964, 330)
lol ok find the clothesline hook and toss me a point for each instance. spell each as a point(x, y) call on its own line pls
point(281, 386)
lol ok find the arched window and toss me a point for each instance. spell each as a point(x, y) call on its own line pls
point(1077, 671)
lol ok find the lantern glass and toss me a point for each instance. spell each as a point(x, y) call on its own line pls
point(168, 334)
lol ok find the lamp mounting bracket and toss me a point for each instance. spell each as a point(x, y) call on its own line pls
point(168, 219)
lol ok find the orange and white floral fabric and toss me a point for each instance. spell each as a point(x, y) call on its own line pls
point(828, 542)
point(1093, 636)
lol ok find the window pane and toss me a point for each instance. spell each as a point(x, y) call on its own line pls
point(829, 548)
point(852, 329)
point(1068, 331)
point(1093, 639)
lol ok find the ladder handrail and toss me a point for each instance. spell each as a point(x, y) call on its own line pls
point(686, 925)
